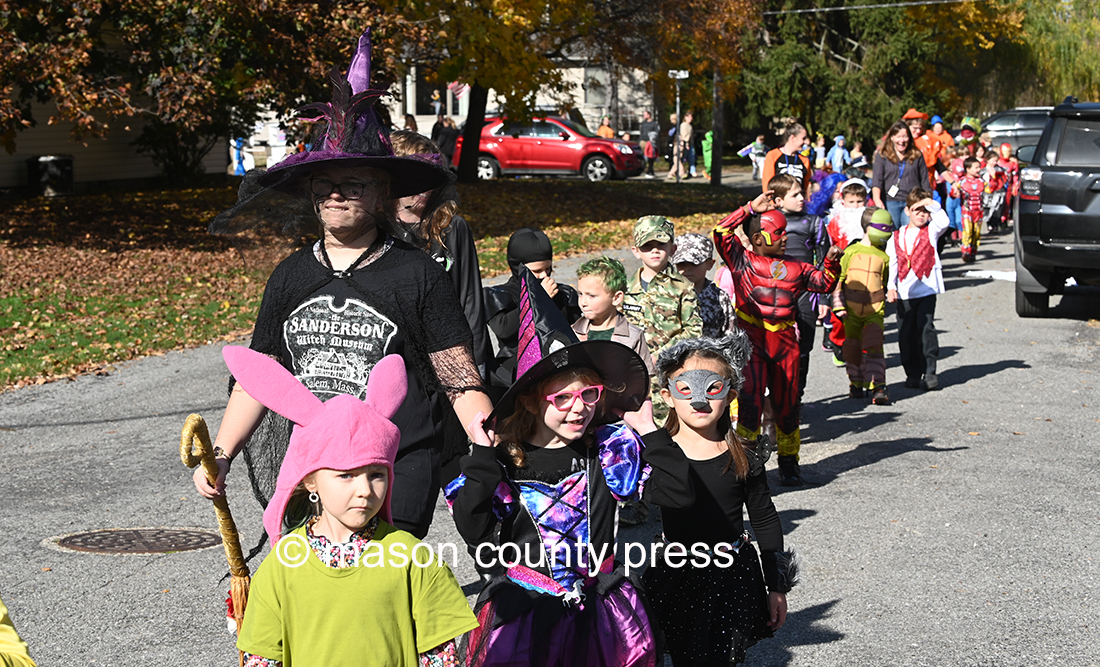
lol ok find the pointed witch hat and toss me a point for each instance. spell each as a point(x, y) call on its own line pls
point(350, 134)
point(547, 345)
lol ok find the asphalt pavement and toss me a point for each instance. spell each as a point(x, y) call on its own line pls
point(956, 527)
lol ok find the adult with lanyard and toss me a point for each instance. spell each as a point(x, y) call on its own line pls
point(929, 145)
point(899, 167)
point(336, 307)
point(787, 160)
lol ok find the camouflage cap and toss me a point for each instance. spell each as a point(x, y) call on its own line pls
point(693, 249)
point(653, 228)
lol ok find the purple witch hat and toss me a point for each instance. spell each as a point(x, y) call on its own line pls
point(351, 135)
point(354, 137)
point(547, 344)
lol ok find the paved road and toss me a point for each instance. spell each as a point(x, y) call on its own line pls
point(958, 527)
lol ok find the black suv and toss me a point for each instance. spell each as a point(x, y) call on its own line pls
point(1058, 210)
point(1017, 127)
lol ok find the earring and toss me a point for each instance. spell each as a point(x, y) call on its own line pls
point(313, 497)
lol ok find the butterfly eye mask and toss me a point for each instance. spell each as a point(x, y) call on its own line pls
point(703, 386)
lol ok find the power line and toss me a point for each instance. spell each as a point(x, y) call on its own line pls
point(881, 6)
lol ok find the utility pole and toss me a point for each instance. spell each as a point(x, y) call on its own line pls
point(677, 162)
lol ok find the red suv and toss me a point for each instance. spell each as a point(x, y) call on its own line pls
point(551, 146)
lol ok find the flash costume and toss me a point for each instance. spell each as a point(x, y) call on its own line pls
point(767, 300)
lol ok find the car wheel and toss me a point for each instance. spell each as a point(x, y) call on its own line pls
point(1031, 304)
point(487, 168)
point(598, 168)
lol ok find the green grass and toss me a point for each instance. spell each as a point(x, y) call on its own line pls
point(94, 280)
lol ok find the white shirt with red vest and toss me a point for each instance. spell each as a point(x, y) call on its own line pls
point(913, 286)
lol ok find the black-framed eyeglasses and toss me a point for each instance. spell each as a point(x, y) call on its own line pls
point(350, 190)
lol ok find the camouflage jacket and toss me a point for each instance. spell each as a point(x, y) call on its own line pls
point(666, 311)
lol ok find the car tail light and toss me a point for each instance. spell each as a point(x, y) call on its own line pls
point(1030, 180)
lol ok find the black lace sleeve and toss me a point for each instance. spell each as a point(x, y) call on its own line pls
point(269, 324)
point(441, 320)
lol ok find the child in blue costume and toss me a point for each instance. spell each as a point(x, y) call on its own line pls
point(711, 597)
point(551, 485)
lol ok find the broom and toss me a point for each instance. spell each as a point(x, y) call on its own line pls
point(195, 449)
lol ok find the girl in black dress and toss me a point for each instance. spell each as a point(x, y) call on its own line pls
point(711, 598)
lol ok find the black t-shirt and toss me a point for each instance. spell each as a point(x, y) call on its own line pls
point(331, 331)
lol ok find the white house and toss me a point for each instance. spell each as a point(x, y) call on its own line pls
point(97, 162)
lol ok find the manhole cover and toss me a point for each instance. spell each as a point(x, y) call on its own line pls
point(138, 540)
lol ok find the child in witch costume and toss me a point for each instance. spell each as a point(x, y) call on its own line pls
point(711, 609)
point(336, 593)
point(551, 484)
point(336, 307)
point(768, 283)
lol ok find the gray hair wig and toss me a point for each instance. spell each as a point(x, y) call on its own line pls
point(735, 348)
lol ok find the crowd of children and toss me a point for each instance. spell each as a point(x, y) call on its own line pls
point(651, 389)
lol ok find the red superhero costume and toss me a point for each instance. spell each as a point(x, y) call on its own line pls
point(1012, 182)
point(767, 291)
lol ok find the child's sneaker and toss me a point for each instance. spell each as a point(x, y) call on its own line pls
point(838, 360)
point(880, 397)
point(855, 391)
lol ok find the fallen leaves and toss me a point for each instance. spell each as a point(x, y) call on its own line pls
point(91, 280)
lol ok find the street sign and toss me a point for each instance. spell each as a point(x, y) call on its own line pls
point(677, 74)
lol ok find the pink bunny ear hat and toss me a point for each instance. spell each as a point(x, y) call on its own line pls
point(342, 434)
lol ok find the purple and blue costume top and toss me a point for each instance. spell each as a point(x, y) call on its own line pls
point(564, 501)
point(570, 502)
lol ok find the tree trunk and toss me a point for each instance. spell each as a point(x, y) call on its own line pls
point(716, 143)
point(471, 134)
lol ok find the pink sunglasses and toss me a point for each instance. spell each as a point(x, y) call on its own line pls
point(564, 400)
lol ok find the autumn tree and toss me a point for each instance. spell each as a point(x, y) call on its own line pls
point(856, 71)
point(1062, 54)
point(504, 45)
point(705, 38)
point(195, 72)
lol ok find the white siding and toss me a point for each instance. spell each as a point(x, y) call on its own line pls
point(107, 159)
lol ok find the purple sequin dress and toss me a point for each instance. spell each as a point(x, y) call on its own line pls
point(574, 608)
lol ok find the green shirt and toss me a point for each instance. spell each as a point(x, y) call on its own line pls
point(601, 334)
point(382, 615)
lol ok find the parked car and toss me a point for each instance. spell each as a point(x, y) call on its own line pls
point(1016, 127)
point(1058, 211)
point(551, 146)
